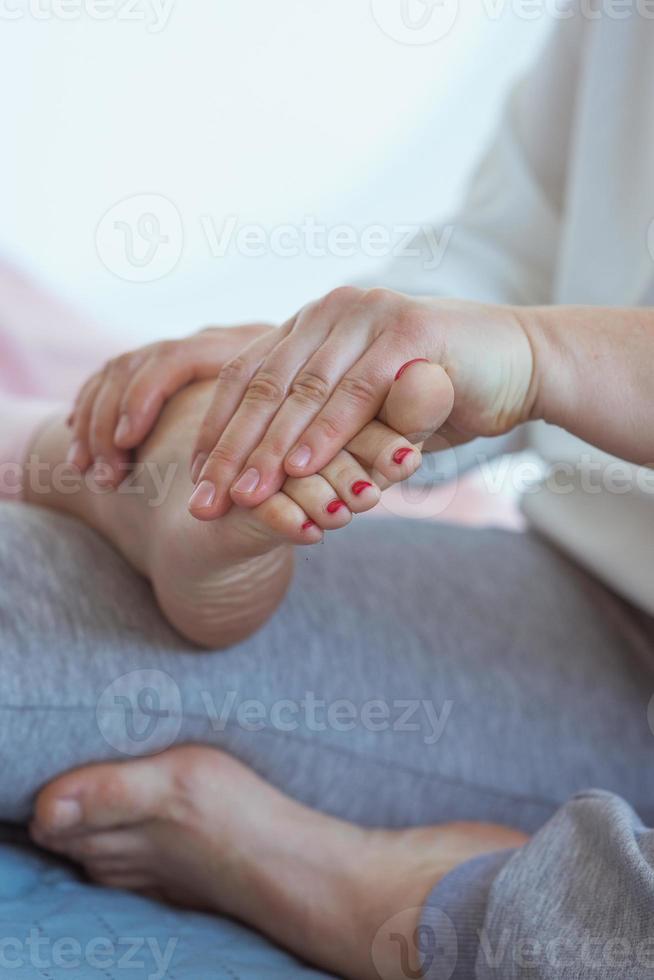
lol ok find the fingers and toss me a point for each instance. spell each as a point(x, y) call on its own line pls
point(79, 453)
point(214, 448)
point(110, 463)
point(117, 409)
point(166, 370)
point(95, 417)
point(356, 400)
point(418, 402)
point(282, 377)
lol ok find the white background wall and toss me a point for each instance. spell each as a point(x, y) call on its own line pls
point(249, 111)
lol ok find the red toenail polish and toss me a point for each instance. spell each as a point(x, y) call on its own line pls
point(308, 524)
point(334, 505)
point(360, 486)
point(416, 360)
point(401, 454)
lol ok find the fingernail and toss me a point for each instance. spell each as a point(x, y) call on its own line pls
point(123, 428)
point(300, 457)
point(308, 524)
point(203, 496)
point(360, 486)
point(198, 466)
point(66, 813)
point(74, 452)
point(334, 505)
point(416, 360)
point(103, 474)
point(248, 482)
point(401, 454)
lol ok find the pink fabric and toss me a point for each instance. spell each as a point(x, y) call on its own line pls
point(46, 353)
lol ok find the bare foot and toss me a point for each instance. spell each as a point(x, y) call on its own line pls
point(197, 827)
point(218, 582)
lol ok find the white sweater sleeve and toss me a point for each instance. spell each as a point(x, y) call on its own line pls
point(502, 246)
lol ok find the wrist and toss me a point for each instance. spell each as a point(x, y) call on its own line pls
point(552, 384)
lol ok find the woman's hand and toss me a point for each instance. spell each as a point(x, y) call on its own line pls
point(291, 400)
point(117, 408)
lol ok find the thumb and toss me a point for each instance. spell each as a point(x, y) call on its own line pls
point(419, 402)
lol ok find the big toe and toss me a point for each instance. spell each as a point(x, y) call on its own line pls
point(101, 797)
point(419, 402)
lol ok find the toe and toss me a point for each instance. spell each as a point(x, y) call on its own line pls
point(100, 797)
point(287, 520)
point(122, 846)
point(419, 401)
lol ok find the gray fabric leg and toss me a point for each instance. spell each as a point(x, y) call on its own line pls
point(416, 673)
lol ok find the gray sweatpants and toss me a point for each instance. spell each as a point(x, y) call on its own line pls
point(416, 673)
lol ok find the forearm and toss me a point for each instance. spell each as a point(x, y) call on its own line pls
point(594, 375)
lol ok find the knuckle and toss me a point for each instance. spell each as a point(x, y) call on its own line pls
point(272, 448)
point(358, 389)
point(311, 388)
point(377, 296)
point(265, 387)
point(113, 367)
point(335, 299)
point(328, 427)
point(411, 321)
point(224, 455)
point(343, 295)
point(119, 365)
point(167, 350)
point(235, 371)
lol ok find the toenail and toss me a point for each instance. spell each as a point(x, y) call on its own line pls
point(300, 457)
point(203, 496)
point(249, 482)
point(308, 524)
point(334, 506)
point(65, 814)
point(360, 486)
point(123, 428)
point(416, 360)
point(401, 454)
point(198, 466)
